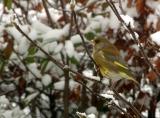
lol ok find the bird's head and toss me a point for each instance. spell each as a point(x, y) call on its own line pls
point(99, 42)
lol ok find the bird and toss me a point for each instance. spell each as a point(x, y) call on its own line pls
point(109, 61)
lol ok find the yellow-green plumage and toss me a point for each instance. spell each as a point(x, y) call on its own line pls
point(109, 61)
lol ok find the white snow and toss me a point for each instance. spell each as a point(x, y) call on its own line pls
point(3, 44)
point(89, 73)
point(58, 48)
point(55, 14)
point(90, 2)
point(23, 46)
point(33, 34)
point(156, 37)
point(30, 89)
point(69, 48)
point(136, 35)
point(93, 25)
point(135, 47)
point(51, 47)
point(42, 28)
point(31, 97)
point(91, 116)
point(131, 11)
point(44, 97)
point(157, 114)
point(33, 67)
point(16, 113)
point(81, 115)
point(76, 39)
point(59, 85)
point(15, 33)
point(128, 20)
point(55, 34)
point(39, 85)
point(26, 110)
point(92, 110)
point(148, 89)
point(4, 100)
point(109, 95)
point(7, 87)
point(46, 79)
point(152, 19)
point(6, 114)
point(145, 113)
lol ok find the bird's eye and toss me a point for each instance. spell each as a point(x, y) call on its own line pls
point(97, 41)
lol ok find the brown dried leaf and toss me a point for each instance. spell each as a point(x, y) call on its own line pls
point(158, 25)
point(157, 64)
point(152, 76)
point(129, 4)
point(38, 7)
point(140, 5)
point(75, 94)
point(8, 50)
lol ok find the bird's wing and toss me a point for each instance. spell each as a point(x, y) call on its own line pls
point(112, 55)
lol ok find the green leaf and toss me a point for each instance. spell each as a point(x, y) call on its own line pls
point(98, 30)
point(73, 60)
point(44, 64)
point(2, 64)
point(29, 59)
point(32, 50)
point(8, 3)
point(90, 35)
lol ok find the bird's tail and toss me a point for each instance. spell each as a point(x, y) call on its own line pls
point(124, 75)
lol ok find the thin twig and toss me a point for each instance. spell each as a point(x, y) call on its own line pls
point(64, 12)
point(48, 14)
point(128, 103)
point(120, 6)
point(80, 34)
point(94, 93)
point(123, 111)
point(24, 63)
point(23, 11)
point(41, 49)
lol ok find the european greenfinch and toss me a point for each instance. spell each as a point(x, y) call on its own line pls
point(109, 61)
